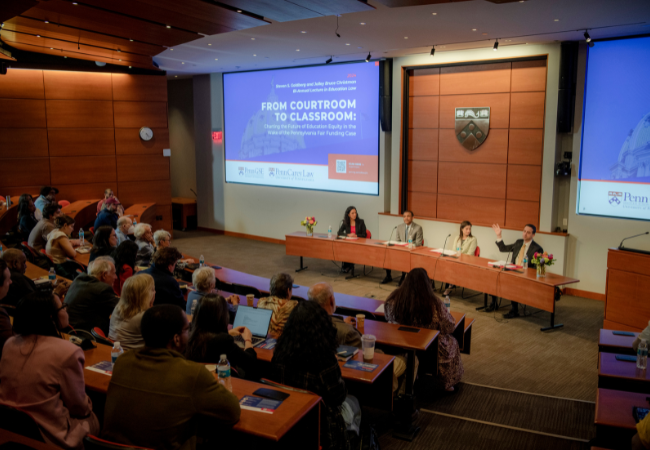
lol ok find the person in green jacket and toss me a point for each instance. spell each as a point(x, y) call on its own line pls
point(156, 397)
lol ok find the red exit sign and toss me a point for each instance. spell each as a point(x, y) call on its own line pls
point(217, 136)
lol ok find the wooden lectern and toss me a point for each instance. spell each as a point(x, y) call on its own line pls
point(627, 301)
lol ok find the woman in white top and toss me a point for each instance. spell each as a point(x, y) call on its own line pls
point(138, 294)
point(466, 242)
point(60, 247)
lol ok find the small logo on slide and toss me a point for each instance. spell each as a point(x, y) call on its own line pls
point(241, 171)
point(614, 198)
point(472, 126)
point(272, 171)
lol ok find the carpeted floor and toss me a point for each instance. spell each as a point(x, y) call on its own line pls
point(511, 354)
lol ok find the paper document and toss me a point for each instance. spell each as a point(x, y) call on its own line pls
point(404, 244)
point(380, 309)
point(447, 252)
point(503, 263)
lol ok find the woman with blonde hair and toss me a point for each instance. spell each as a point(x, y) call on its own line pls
point(138, 295)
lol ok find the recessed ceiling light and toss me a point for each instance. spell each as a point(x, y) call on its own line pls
point(406, 37)
point(216, 59)
point(303, 32)
point(347, 44)
point(254, 55)
point(168, 26)
point(434, 14)
point(129, 67)
point(175, 76)
point(38, 35)
point(119, 60)
point(252, 39)
point(181, 63)
point(209, 44)
point(131, 40)
point(557, 20)
point(171, 49)
point(239, 10)
point(51, 48)
point(362, 23)
point(473, 29)
point(47, 21)
point(119, 50)
point(297, 49)
point(74, 3)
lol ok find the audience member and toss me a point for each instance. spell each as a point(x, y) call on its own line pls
point(124, 256)
point(108, 193)
point(210, 338)
point(16, 261)
point(144, 239)
point(138, 295)
point(43, 375)
point(346, 333)
point(162, 239)
point(48, 195)
point(60, 247)
point(279, 301)
point(26, 219)
point(641, 440)
point(124, 228)
point(415, 305)
point(91, 298)
point(205, 282)
point(162, 270)
point(5, 322)
point(38, 237)
point(104, 242)
point(305, 358)
point(156, 397)
point(108, 215)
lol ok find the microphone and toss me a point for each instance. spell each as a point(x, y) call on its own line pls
point(391, 235)
point(620, 246)
point(505, 267)
point(444, 245)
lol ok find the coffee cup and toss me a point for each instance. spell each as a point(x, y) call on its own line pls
point(361, 318)
point(249, 299)
point(368, 345)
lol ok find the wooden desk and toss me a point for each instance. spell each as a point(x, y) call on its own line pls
point(34, 272)
point(83, 258)
point(614, 420)
point(7, 437)
point(621, 375)
point(611, 343)
point(182, 208)
point(297, 418)
point(142, 212)
point(468, 271)
point(628, 282)
point(84, 213)
point(373, 389)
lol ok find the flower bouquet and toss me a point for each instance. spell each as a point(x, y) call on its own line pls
point(541, 260)
point(309, 223)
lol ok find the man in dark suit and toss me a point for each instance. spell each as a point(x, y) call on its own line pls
point(526, 246)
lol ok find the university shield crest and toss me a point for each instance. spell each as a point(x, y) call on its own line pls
point(472, 126)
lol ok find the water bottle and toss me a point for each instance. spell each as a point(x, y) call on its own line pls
point(525, 262)
point(223, 371)
point(642, 355)
point(116, 351)
point(448, 303)
point(329, 232)
point(81, 236)
point(201, 261)
point(8, 201)
point(52, 275)
point(1, 250)
point(135, 222)
point(194, 302)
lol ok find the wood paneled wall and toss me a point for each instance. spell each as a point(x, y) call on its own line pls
point(500, 181)
point(79, 131)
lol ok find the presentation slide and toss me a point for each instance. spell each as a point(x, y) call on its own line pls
point(614, 179)
point(306, 128)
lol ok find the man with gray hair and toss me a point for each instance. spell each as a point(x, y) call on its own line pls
point(346, 334)
point(124, 228)
point(279, 302)
point(162, 238)
point(91, 298)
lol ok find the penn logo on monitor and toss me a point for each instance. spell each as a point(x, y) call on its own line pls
point(472, 126)
point(272, 171)
point(614, 198)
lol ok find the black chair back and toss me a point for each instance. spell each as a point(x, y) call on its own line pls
point(19, 422)
point(240, 289)
point(353, 312)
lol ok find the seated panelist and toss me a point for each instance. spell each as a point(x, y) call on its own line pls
point(405, 231)
point(465, 242)
point(525, 246)
point(353, 226)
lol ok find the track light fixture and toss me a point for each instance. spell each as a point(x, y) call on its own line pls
point(433, 51)
point(329, 60)
point(587, 37)
point(496, 45)
point(368, 57)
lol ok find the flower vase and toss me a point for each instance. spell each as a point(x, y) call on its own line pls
point(541, 270)
point(310, 231)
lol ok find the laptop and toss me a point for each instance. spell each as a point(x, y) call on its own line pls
point(255, 319)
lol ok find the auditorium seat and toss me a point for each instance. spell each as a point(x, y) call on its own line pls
point(94, 443)
point(100, 337)
point(35, 257)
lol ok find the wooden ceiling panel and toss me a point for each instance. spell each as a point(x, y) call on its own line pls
point(33, 26)
point(84, 55)
point(205, 10)
point(89, 18)
point(283, 10)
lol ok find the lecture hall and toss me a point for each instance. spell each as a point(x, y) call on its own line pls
point(324, 224)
